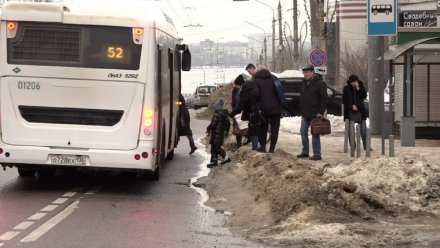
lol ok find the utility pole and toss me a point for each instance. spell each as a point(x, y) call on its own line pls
point(321, 24)
point(281, 65)
point(314, 24)
point(280, 28)
point(295, 32)
point(375, 82)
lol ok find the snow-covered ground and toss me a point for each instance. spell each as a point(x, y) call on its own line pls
point(341, 201)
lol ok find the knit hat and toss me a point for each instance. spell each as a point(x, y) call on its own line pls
point(219, 104)
point(352, 78)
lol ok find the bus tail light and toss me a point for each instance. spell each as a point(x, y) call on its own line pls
point(142, 155)
point(155, 151)
point(147, 121)
point(11, 29)
point(138, 35)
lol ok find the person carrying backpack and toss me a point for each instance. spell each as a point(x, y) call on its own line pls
point(270, 106)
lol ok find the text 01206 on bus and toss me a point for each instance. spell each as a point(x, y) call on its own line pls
point(95, 91)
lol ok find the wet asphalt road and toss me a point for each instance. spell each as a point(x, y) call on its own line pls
point(114, 210)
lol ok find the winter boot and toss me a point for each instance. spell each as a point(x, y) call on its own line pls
point(225, 159)
point(213, 162)
point(262, 148)
point(193, 147)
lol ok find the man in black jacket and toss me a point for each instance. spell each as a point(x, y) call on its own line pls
point(270, 107)
point(313, 102)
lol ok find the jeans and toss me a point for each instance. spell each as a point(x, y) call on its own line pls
point(316, 141)
point(254, 140)
point(363, 129)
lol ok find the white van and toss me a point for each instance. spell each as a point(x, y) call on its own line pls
point(201, 96)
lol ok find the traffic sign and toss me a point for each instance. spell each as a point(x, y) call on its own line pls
point(382, 17)
point(321, 70)
point(318, 57)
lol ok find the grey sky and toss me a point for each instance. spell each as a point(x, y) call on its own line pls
point(225, 20)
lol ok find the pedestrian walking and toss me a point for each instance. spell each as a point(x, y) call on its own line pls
point(353, 97)
point(270, 107)
point(184, 124)
point(313, 102)
point(247, 105)
point(217, 130)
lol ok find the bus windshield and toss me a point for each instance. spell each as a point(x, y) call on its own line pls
point(74, 46)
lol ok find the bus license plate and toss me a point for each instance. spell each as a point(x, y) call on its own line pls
point(68, 159)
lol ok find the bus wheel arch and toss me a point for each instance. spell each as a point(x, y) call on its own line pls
point(162, 155)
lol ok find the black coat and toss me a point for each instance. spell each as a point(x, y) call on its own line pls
point(246, 101)
point(351, 96)
point(184, 121)
point(218, 127)
point(313, 98)
point(266, 94)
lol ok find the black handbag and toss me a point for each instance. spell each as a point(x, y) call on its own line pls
point(355, 117)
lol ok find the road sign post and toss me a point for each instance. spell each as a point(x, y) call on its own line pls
point(318, 57)
point(382, 17)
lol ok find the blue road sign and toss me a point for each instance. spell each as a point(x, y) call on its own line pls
point(382, 17)
point(318, 57)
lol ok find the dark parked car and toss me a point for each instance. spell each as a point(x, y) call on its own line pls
point(292, 89)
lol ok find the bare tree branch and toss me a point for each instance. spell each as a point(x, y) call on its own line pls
point(354, 62)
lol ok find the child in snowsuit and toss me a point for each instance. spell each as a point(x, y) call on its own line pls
point(217, 129)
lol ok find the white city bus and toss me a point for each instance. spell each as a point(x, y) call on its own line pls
point(88, 89)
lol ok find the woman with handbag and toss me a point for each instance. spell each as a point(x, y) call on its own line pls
point(353, 97)
point(248, 104)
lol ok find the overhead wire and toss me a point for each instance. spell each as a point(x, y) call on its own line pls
point(175, 12)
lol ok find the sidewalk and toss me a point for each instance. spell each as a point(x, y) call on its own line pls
point(332, 147)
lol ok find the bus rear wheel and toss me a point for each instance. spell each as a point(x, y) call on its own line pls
point(170, 155)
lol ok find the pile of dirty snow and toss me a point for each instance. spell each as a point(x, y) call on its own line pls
point(277, 198)
point(406, 181)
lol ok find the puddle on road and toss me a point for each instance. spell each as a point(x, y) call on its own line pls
point(203, 172)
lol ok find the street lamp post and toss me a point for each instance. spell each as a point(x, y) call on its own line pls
point(256, 53)
point(264, 42)
point(273, 33)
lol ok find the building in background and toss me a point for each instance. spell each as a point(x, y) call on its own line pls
point(346, 39)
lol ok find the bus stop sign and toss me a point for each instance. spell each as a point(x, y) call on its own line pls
point(318, 57)
point(382, 17)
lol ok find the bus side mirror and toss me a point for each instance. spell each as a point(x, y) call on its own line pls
point(186, 56)
point(186, 60)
